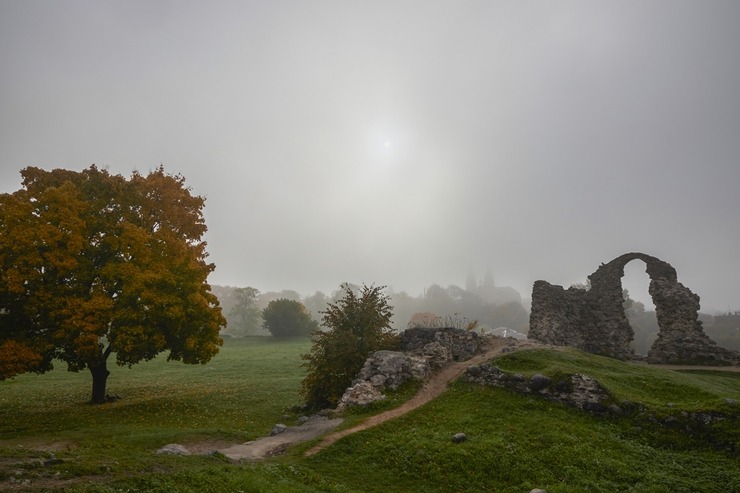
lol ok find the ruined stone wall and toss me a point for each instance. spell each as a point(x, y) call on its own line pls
point(556, 315)
point(461, 344)
point(595, 321)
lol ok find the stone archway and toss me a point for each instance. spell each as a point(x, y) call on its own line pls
point(594, 319)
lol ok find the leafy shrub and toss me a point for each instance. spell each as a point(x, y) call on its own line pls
point(288, 318)
point(358, 325)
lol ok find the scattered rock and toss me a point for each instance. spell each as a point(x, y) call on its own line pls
point(537, 490)
point(580, 391)
point(52, 461)
point(459, 437)
point(173, 449)
point(706, 418)
point(277, 429)
point(731, 402)
point(360, 394)
point(616, 410)
point(593, 407)
point(539, 382)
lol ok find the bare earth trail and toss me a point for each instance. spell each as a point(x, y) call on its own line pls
point(432, 388)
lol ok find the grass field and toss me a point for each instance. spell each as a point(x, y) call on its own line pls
point(516, 442)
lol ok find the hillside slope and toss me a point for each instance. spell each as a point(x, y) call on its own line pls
point(519, 442)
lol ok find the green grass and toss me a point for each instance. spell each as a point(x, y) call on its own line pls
point(238, 396)
point(518, 442)
point(515, 443)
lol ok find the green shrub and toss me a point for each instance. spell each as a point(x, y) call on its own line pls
point(358, 325)
point(288, 318)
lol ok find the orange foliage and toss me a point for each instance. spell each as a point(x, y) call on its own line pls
point(17, 358)
point(95, 264)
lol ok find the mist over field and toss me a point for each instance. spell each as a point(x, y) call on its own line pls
point(402, 143)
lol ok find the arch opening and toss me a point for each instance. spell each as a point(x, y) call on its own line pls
point(639, 307)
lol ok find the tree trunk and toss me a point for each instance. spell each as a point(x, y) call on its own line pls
point(99, 379)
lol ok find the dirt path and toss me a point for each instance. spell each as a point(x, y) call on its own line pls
point(276, 444)
point(432, 388)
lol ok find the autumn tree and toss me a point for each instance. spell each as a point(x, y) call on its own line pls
point(358, 323)
point(93, 264)
point(288, 318)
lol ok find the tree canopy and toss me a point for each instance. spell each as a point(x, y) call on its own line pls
point(358, 323)
point(245, 317)
point(93, 264)
point(288, 318)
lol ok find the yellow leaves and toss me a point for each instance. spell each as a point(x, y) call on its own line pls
point(87, 346)
point(89, 259)
point(16, 358)
point(89, 316)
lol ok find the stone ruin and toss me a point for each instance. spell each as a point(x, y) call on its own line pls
point(594, 320)
point(422, 350)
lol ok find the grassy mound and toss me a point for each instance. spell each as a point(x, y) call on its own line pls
point(515, 442)
point(518, 442)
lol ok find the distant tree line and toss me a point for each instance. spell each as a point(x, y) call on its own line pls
point(244, 307)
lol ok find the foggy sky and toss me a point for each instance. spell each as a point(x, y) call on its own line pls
point(402, 143)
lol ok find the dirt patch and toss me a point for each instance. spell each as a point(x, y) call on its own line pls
point(207, 447)
point(277, 444)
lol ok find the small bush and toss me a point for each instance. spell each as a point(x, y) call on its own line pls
point(288, 318)
point(358, 325)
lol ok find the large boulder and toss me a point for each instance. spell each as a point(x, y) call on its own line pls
point(360, 394)
point(426, 350)
point(386, 369)
point(436, 355)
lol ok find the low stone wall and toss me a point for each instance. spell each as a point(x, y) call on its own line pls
point(576, 390)
point(585, 393)
point(423, 351)
point(462, 344)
